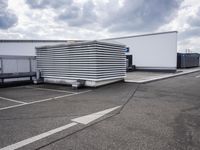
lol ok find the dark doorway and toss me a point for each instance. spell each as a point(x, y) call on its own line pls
point(129, 60)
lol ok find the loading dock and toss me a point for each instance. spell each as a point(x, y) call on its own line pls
point(17, 68)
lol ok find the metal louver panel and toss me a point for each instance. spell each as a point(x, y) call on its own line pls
point(94, 61)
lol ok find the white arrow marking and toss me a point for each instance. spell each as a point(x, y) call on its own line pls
point(89, 118)
point(37, 137)
point(83, 120)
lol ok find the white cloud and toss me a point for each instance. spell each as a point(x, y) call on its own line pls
point(188, 33)
point(7, 18)
point(95, 19)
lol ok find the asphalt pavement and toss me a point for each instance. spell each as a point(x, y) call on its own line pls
point(163, 115)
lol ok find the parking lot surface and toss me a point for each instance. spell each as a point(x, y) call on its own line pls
point(159, 115)
point(45, 107)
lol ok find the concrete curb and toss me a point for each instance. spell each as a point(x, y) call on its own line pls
point(163, 77)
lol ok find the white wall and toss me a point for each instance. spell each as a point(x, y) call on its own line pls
point(153, 51)
point(22, 48)
point(16, 64)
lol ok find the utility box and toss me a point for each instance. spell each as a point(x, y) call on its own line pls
point(96, 63)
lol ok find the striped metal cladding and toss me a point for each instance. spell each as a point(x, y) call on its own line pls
point(92, 60)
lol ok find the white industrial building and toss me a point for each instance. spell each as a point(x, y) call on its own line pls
point(156, 51)
point(24, 47)
point(17, 58)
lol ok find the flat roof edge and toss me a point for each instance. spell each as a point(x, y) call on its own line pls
point(148, 34)
point(78, 44)
point(7, 40)
point(17, 56)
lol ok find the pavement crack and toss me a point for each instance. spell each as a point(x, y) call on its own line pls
point(191, 109)
point(117, 112)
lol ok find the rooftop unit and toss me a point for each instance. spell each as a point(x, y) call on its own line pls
point(93, 63)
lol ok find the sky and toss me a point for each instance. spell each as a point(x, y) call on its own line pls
point(99, 19)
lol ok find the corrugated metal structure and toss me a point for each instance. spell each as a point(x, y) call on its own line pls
point(95, 62)
point(15, 68)
point(187, 60)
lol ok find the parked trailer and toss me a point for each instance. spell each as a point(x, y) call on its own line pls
point(16, 68)
point(90, 63)
point(187, 60)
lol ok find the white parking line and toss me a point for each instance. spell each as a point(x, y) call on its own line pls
point(53, 98)
point(37, 137)
point(50, 89)
point(13, 106)
point(43, 100)
point(12, 100)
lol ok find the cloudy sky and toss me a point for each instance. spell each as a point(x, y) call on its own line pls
point(97, 19)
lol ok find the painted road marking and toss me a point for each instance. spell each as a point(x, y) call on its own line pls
point(12, 100)
point(89, 118)
point(50, 89)
point(37, 137)
point(57, 97)
point(198, 76)
point(13, 106)
point(82, 120)
point(44, 100)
